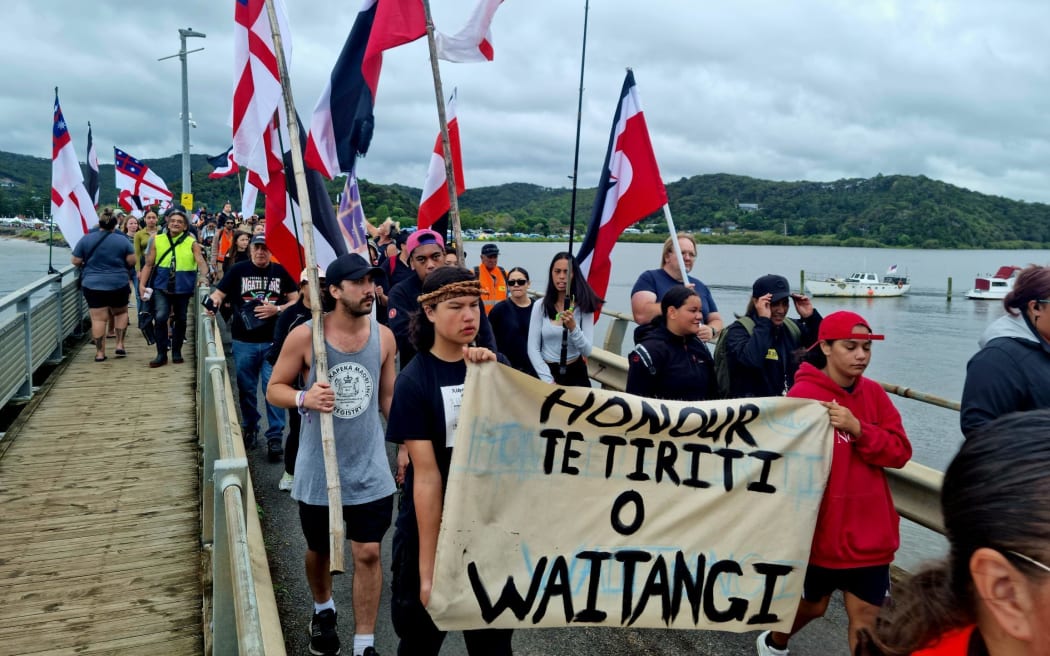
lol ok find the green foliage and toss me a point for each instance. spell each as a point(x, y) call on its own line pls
point(892, 211)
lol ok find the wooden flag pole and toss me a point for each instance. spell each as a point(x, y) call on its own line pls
point(336, 532)
point(446, 148)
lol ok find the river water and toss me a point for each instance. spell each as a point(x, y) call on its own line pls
point(928, 338)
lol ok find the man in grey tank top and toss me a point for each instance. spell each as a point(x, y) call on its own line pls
point(361, 372)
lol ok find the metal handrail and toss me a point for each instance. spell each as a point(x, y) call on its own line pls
point(229, 528)
point(916, 488)
point(34, 335)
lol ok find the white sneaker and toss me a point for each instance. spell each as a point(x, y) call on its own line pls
point(765, 650)
point(286, 482)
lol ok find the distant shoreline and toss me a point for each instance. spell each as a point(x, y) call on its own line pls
point(38, 236)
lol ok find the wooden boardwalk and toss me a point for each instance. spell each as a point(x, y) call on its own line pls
point(99, 512)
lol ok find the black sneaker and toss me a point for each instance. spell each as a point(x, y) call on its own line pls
point(250, 438)
point(324, 640)
point(274, 452)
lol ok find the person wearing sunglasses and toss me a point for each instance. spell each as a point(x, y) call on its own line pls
point(991, 595)
point(1012, 370)
point(510, 321)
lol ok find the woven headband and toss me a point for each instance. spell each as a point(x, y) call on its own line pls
point(451, 290)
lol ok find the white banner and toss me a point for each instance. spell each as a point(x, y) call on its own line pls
point(575, 506)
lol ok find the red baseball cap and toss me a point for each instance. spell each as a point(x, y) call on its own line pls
point(840, 325)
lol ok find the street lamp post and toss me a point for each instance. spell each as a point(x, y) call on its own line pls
point(183, 33)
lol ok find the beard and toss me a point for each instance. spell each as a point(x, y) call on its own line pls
point(362, 308)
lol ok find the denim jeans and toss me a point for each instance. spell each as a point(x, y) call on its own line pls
point(250, 360)
point(164, 306)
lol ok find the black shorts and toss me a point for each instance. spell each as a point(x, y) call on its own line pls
point(109, 298)
point(367, 522)
point(870, 584)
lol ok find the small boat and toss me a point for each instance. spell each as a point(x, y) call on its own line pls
point(859, 285)
point(994, 287)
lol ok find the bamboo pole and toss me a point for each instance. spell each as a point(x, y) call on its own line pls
point(336, 532)
point(446, 148)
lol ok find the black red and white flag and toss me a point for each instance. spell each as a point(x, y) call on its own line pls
point(343, 119)
point(284, 228)
point(92, 161)
point(224, 165)
point(435, 202)
point(630, 188)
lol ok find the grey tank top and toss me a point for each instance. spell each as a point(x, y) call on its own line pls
point(364, 468)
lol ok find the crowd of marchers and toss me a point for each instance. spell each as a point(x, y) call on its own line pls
point(401, 323)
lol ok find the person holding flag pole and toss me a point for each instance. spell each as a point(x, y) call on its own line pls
point(336, 530)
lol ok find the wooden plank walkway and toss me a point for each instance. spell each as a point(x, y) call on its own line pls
point(100, 512)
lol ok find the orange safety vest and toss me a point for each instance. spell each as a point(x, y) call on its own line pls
point(493, 286)
point(225, 244)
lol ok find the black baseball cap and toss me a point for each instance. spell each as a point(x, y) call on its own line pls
point(771, 284)
point(490, 249)
point(258, 240)
point(351, 267)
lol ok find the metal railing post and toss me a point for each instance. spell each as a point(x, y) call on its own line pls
point(55, 289)
point(614, 336)
point(209, 435)
point(25, 390)
point(230, 472)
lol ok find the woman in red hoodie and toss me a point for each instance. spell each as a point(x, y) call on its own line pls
point(857, 530)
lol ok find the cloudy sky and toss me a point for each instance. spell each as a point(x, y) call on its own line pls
point(957, 90)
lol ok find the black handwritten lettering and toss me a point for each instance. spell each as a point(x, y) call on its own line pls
point(590, 612)
point(613, 402)
point(611, 441)
point(557, 584)
point(694, 479)
point(640, 444)
point(728, 456)
point(629, 558)
point(762, 484)
point(737, 606)
point(748, 413)
point(649, 416)
point(630, 496)
point(509, 597)
point(555, 399)
point(569, 453)
point(772, 571)
point(552, 435)
point(657, 583)
point(665, 459)
point(685, 582)
point(684, 415)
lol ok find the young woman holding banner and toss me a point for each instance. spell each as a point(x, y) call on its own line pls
point(858, 529)
point(428, 387)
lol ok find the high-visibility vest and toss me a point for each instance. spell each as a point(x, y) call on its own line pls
point(225, 244)
point(493, 285)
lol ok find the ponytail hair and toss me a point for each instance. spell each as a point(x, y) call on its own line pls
point(1032, 284)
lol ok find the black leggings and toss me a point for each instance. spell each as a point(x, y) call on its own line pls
point(575, 373)
point(419, 636)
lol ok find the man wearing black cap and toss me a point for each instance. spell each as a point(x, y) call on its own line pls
point(259, 289)
point(760, 346)
point(361, 373)
point(492, 277)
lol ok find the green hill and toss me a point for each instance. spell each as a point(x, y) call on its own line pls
point(891, 210)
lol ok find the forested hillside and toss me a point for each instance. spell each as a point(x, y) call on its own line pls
point(890, 210)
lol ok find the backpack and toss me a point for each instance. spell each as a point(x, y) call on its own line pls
point(722, 368)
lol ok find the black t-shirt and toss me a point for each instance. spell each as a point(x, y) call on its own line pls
point(245, 282)
point(510, 326)
point(427, 398)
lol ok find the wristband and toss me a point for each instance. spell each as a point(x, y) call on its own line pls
point(300, 402)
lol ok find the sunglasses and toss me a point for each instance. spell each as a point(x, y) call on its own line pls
point(517, 283)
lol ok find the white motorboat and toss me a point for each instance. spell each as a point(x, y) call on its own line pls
point(859, 285)
point(994, 287)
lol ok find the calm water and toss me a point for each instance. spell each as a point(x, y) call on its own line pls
point(928, 339)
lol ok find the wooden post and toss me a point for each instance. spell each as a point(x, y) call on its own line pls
point(949, 289)
point(446, 149)
point(336, 532)
point(802, 281)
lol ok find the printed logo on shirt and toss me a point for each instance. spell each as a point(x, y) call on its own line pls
point(353, 389)
point(452, 396)
point(254, 288)
point(842, 437)
point(771, 354)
